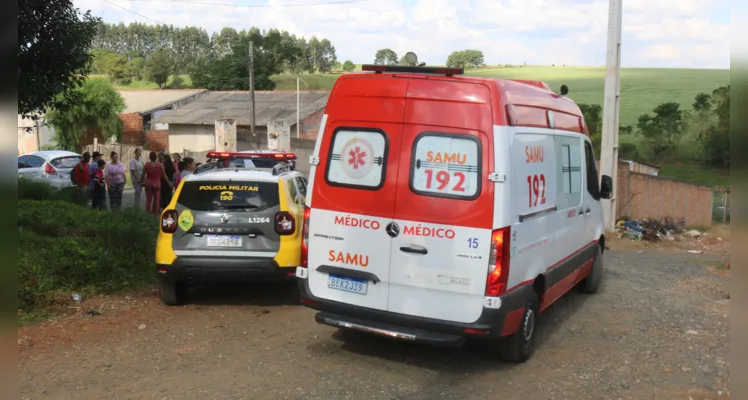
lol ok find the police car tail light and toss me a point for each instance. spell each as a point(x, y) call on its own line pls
point(284, 223)
point(49, 169)
point(498, 263)
point(169, 221)
point(305, 238)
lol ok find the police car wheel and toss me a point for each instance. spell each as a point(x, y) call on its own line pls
point(172, 293)
point(520, 346)
point(591, 283)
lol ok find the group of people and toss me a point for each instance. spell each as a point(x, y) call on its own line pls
point(158, 176)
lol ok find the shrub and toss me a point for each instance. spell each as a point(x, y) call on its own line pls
point(37, 190)
point(65, 248)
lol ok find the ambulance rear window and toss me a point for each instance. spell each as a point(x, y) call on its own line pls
point(212, 195)
point(446, 165)
point(357, 158)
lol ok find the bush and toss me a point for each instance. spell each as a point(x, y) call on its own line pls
point(36, 190)
point(65, 248)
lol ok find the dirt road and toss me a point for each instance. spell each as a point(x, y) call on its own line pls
point(657, 330)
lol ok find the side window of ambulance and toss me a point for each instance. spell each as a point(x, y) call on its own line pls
point(569, 168)
point(446, 165)
point(357, 158)
point(593, 186)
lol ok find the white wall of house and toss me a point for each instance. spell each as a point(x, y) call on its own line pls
point(191, 137)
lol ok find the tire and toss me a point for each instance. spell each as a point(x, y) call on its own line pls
point(172, 293)
point(591, 284)
point(519, 347)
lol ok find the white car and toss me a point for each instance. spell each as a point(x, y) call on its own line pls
point(53, 167)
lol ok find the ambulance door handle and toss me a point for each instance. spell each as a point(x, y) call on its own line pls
point(587, 212)
point(414, 249)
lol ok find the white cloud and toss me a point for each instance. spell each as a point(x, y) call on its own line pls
point(572, 32)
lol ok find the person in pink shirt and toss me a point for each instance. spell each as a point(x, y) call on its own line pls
point(153, 175)
point(115, 180)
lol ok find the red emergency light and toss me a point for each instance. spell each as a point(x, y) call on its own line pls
point(412, 70)
point(228, 155)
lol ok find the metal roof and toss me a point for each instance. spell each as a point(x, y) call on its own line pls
point(145, 101)
point(269, 106)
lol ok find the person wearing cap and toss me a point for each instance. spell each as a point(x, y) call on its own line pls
point(93, 166)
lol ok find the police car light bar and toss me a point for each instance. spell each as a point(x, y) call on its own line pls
point(277, 156)
point(415, 70)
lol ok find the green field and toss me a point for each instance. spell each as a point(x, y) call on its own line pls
point(642, 89)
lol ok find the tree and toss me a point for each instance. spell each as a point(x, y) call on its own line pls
point(663, 129)
point(702, 105)
point(349, 66)
point(158, 67)
point(465, 59)
point(715, 140)
point(593, 118)
point(54, 42)
point(119, 69)
point(385, 57)
point(97, 106)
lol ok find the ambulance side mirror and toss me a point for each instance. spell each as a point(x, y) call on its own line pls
point(606, 187)
point(564, 90)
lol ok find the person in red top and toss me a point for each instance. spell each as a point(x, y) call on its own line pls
point(81, 177)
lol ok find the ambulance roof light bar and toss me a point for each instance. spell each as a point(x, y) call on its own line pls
point(413, 70)
point(281, 156)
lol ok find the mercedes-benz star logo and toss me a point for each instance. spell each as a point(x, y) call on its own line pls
point(224, 218)
point(392, 229)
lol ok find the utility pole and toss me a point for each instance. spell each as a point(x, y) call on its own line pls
point(298, 105)
point(611, 110)
point(252, 85)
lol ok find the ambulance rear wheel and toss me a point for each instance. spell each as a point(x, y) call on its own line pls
point(591, 283)
point(520, 346)
point(172, 293)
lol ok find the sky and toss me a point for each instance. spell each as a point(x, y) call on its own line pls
point(656, 33)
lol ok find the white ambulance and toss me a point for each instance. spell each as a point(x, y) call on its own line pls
point(442, 208)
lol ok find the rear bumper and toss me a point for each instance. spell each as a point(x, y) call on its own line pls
point(224, 269)
point(492, 323)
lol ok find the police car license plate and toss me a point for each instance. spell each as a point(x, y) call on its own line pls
point(347, 284)
point(224, 241)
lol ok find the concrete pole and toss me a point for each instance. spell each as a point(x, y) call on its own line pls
point(298, 106)
point(611, 110)
point(252, 85)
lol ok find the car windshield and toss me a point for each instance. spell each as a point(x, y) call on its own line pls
point(216, 195)
point(65, 162)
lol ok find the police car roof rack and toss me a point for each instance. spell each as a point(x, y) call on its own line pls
point(280, 156)
point(413, 70)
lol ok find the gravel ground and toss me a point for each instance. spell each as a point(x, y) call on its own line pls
point(658, 329)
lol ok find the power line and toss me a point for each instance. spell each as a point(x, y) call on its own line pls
point(138, 14)
point(253, 6)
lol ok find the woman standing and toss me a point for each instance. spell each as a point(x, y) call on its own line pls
point(177, 161)
point(169, 171)
point(153, 175)
point(136, 172)
point(115, 179)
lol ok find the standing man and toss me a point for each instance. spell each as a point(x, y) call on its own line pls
point(136, 172)
point(93, 166)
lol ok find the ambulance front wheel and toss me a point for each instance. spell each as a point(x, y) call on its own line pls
point(172, 293)
point(520, 346)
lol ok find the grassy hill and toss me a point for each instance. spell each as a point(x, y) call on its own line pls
point(642, 89)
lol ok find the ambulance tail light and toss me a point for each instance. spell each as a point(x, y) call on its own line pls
point(498, 263)
point(284, 223)
point(169, 221)
point(305, 238)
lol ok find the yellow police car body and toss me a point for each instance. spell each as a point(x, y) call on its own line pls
point(230, 224)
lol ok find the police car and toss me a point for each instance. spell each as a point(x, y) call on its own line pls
point(238, 218)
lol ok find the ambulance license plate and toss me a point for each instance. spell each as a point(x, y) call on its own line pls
point(224, 241)
point(346, 284)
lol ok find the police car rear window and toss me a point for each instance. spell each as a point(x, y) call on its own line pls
point(213, 195)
